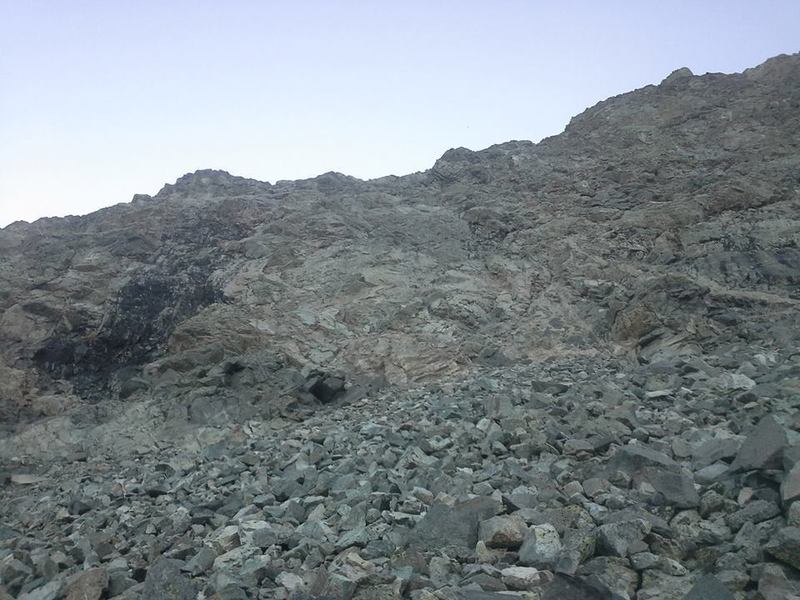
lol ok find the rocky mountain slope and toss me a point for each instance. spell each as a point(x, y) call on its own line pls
point(557, 370)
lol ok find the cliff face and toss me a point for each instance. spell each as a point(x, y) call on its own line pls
point(567, 369)
point(661, 221)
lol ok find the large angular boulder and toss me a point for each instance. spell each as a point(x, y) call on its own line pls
point(164, 581)
point(709, 587)
point(541, 548)
point(624, 537)
point(88, 585)
point(453, 526)
point(785, 546)
point(502, 532)
point(763, 448)
point(567, 587)
point(672, 484)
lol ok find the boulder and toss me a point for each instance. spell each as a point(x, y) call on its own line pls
point(622, 538)
point(88, 585)
point(709, 587)
point(502, 532)
point(541, 547)
point(763, 447)
point(165, 581)
point(444, 526)
point(785, 546)
point(567, 587)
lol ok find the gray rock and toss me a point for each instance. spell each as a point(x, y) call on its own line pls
point(502, 532)
point(715, 449)
point(785, 546)
point(734, 381)
point(521, 578)
point(632, 458)
point(673, 488)
point(711, 473)
point(119, 583)
point(523, 497)
point(333, 585)
point(200, 562)
point(444, 526)
point(254, 570)
point(657, 524)
point(230, 592)
point(51, 590)
point(763, 447)
point(709, 587)
point(614, 573)
point(790, 486)
point(385, 591)
point(657, 585)
point(774, 585)
point(793, 516)
point(355, 537)
point(753, 512)
point(620, 539)
point(292, 582)
point(257, 533)
point(671, 483)
point(595, 486)
point(566, 587)
point(541, 547)
point(165, 581)
point(88, 585)
point(645, 560)
point(225, 539)
point(11, 568)
point(578, 545)
point(233, 560)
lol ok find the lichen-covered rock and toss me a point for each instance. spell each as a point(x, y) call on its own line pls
point(541, 547)
point(785, 546)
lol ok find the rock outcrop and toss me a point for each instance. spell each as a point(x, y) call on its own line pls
point(564, 369)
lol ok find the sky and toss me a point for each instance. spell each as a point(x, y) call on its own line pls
point(100, 100)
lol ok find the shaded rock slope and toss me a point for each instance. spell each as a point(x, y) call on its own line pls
point(558, 370)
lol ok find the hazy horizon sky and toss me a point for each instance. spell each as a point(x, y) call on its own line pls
point(102, 100)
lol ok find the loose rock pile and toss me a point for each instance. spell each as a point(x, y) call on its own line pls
point(673, 480)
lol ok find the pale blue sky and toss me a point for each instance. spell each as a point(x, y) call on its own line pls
point(103, 99)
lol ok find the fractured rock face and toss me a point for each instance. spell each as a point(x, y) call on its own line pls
point(631, 218)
